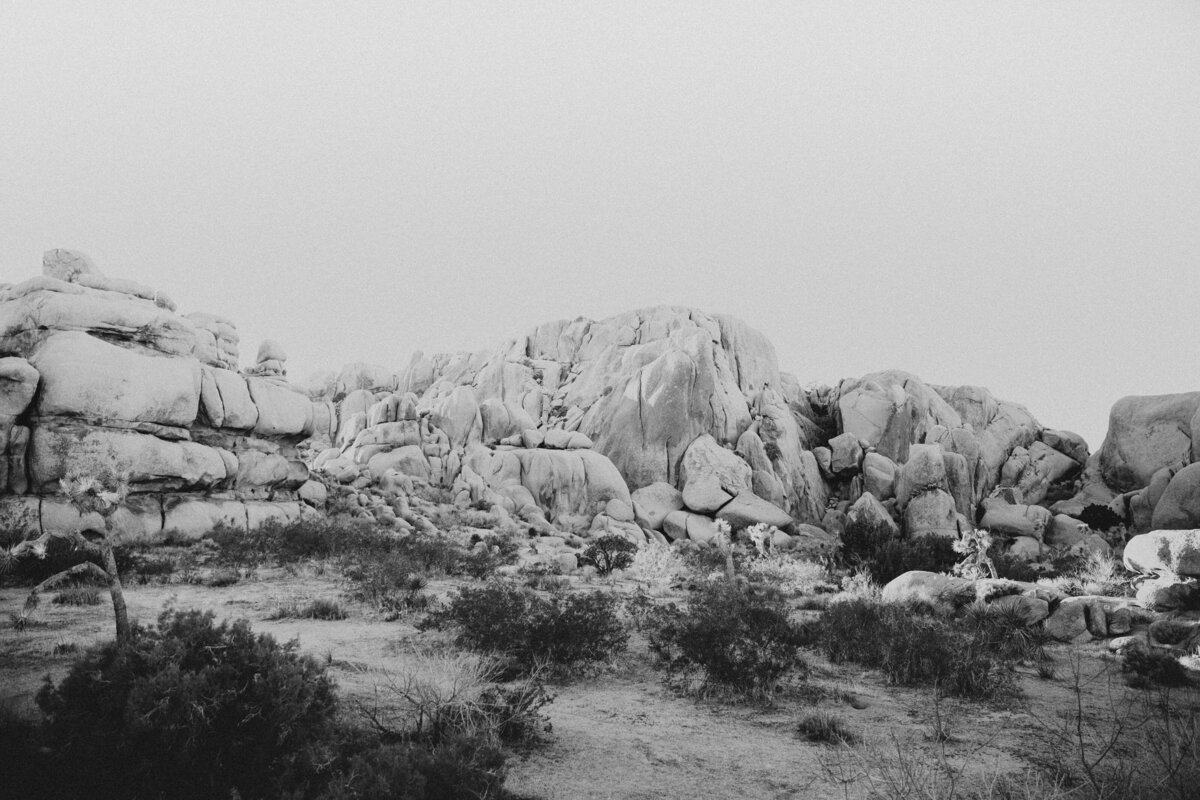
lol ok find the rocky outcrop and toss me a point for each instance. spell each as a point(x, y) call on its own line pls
point(102, 371)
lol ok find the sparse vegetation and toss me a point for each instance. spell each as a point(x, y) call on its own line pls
point(316, 609)
point(78, 596)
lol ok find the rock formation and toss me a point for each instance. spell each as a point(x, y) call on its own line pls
point(103, 372)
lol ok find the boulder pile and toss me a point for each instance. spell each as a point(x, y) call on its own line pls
point(105, 372)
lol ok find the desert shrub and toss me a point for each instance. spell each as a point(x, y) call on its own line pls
point(737, 641)
point(1144, 667)
point(609, 552)
point(449, 770)
point(792, 576)
point(78, 596)
point(528, 628)
point(861, 541)
point(61, 554)
point(911, 646)
point(875, 549)
point(822, 727)
point(1100, 518)
point(389, 582)
point(1014, 568)
point(444, 694)
point(658, 565)
point(896, 557)
point(314, 536)
point(189, 709)
point(317, 609)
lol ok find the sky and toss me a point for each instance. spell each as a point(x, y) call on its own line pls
point(995, 193)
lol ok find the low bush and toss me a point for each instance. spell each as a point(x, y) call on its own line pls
point(389, 583)
point(314, 536)
point(659, 566)
point(317, 609)
point(911, 646)
point(821, 727)
point(792, 576)
point(875, 549)
point(190, 709)
point(456, 768)
point(563, 630)
point(1145, 668)
point(608, 553)
point(735, 641)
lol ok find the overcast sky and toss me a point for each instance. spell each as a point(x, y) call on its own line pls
point(1005, 194)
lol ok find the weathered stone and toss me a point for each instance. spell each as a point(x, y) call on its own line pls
point(1146, 434)
point(151, 462)
point(868, 513)
point(82, 376)
point(845, 454)
point(931, 513)
point(928, 587)
point(879, 475)
point(651, 504)
point(1178, 507)
point(1068, 622)
point(282, 410)
point(1163, 552)
point(748, 509)
point(18, 382)
point(924, 470)
point(704, 457)
point(703, 494)
point(192, 518)
point(1015, 520)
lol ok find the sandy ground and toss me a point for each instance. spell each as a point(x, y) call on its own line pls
point(620, 733)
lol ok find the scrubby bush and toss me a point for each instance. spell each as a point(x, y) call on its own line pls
point(1100, 517)
point(821, 727)
point(875, 549)
point(190, 709)
point(317, 609)
point(314, 536)
point(792, 576)
point(1144, 668)
point(608, 553)
point(912, 646)
point(735, 641)
point(528, 628)
point(658, 565)
point(458, 768)
point(388, 582)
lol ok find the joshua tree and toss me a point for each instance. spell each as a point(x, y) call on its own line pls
point(100, 492)
point(973, 546)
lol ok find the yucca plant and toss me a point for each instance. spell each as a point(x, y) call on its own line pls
point(100, 491)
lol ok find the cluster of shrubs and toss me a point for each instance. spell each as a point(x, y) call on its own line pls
point(726, 640)
point(385, 569)
point(193, 709)
point(533, 630)
point(970, 656)
point(875, 549)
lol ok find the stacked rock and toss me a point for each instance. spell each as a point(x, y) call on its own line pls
point(103, 372)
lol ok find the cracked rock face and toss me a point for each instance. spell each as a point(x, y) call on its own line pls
point(103, 371)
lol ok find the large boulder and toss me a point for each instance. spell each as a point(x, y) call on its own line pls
point(88, 378)
point(18, 382)
point(748, 509)
point(652, 504)
point(1178, 506)
point(868, 513)
point(1146, 434)
point(931, 513)
point(704, 458)
point(151, 463)
point(1161, 552)
point(924, 470)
